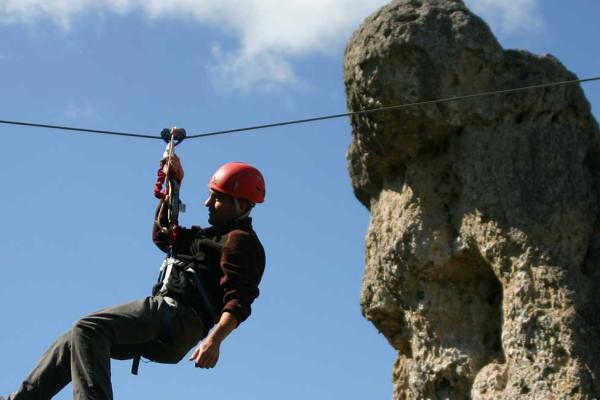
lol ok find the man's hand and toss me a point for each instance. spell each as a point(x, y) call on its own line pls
point(207, 354)
point(175, 168)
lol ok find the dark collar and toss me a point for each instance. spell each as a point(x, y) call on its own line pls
point(244, 224)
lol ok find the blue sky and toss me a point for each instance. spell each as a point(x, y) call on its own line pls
point(78, 207)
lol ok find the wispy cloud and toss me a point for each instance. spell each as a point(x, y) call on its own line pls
point(270, 34)
point(28, 11)
point(80, 111)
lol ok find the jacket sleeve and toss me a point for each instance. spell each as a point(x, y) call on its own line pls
point(242, 262)
point(161, 237)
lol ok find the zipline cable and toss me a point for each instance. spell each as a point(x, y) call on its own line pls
point(396, 107)
point(313, 119)
point(70, 128)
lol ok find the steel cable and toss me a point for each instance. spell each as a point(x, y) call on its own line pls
point(307, 120)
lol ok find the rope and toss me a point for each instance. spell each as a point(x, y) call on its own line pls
point(312, 119)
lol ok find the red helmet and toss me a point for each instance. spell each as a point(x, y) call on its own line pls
point(239, 180)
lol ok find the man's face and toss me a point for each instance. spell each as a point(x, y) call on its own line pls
point(221, 208)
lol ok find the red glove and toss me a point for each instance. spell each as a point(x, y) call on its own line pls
point(175, 171)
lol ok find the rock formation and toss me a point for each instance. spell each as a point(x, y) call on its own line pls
point(483, 250)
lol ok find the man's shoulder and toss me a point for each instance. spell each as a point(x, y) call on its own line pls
point(243, 230)
point(242, 235)
point(243, 238)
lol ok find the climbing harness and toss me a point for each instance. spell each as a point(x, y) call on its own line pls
point(169, 197)
point(181, 276)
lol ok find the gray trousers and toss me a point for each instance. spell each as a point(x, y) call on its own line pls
point(151, 327)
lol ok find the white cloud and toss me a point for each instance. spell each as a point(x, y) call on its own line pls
point(273, 32)
point(269, 33)
point(509, 17)
point(61, 11)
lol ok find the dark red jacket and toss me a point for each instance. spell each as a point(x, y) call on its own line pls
point(227, 261)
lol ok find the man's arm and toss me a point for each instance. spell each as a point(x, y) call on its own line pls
point(242, 261)
point(160, 232)
point(160, 236)
point(207, 354)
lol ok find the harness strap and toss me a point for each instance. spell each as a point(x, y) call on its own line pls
point(135, 365)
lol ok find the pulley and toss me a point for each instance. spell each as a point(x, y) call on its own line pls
point(177, 134)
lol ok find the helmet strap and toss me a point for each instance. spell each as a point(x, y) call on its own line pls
point(238, 209)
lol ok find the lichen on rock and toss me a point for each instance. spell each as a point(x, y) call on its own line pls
point(483, 250)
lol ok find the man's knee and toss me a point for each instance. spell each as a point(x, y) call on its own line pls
point(86, 326)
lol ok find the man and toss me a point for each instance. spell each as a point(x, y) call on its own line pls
point(211, 280)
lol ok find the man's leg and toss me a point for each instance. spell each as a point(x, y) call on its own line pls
point(52, 373)
point(93, 338)
point(83, 354)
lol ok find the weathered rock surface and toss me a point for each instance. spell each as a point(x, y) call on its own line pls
point(483, 250)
